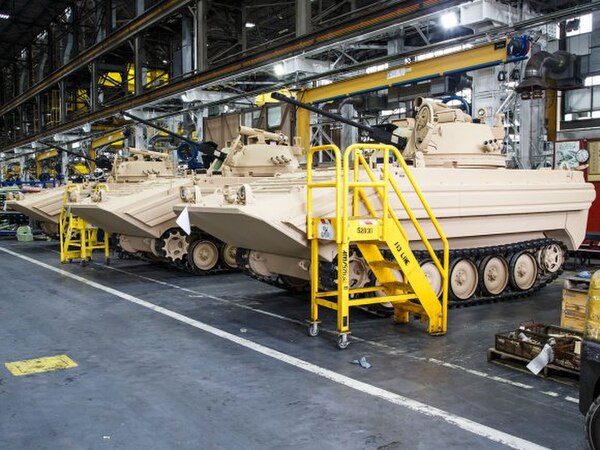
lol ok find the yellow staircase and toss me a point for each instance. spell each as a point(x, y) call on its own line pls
point(357, 223)
point(78, 238)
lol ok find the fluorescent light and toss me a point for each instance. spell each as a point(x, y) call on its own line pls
point(250, 25)
point(449, 20)
point(279, 69)
point(4, 16)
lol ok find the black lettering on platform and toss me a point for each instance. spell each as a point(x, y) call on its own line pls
point(403, 255)
point(344, 268)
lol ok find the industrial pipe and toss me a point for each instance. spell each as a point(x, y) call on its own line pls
point(538, 67)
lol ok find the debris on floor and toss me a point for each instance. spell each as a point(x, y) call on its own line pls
point(362, 362)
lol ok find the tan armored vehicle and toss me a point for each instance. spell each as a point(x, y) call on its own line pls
point(44, 206)
point(508, 230)
point(139, 209)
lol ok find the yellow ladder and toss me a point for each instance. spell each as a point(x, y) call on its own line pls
point(78, 238)
point(357, 222)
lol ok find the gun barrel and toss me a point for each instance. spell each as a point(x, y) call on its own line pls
point(143, 151)
point(385, 137)
point(164, 130)
point(247, 131)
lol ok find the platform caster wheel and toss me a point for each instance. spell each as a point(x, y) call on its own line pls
point(313, 329)
point(343, 341)
point(84, 262)
point(107, 261)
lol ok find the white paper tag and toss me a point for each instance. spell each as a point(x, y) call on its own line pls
point(542, 360)
point(325, 230)
point(184, 221)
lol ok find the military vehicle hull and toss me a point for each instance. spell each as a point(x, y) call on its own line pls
point(141, 213)
point(477, 209)
point(142, 209)
point(43, 207)
point(142, 216)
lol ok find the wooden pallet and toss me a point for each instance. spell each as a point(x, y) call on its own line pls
point(551, 371)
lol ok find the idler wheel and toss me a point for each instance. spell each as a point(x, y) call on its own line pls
point(523, 271)
point(551, 258)
point(434, 276)
point(175, 245)
point(204, 255)
point(494, 276)
point(464, 279)
point(228, 253)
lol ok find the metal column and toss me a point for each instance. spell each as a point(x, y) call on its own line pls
point(62, 95)
point(64, 163)
point(303, 17)
point(138, 65)
point(138, 45)
point(187, 45)
point(94, 86)
point(200, 35)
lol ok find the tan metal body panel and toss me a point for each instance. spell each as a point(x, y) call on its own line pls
point(144, 208)
point(43, 206)
point(476, 208)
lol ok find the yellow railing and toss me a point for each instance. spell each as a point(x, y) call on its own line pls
point(323, 184)
point(356, 150)
point(353, 161)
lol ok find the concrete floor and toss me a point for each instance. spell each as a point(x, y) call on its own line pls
point(148, 381)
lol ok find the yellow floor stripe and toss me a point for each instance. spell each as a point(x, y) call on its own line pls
point(39, 365)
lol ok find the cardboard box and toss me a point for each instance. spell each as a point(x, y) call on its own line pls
point(574, 303)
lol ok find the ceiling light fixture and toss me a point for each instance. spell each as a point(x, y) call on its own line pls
point(250, 24)
point(449, 20)
point(4, 15)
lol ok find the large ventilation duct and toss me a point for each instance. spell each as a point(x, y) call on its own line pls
point(562, 67)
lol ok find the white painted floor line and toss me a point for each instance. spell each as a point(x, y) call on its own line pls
point(390, 349)
point(572, 399)
point(369, 389)
point(480, 374)
point(551, 394)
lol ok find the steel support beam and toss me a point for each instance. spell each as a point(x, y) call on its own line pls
point(94, 86)
point(147, 19)
point(39, 114)
point(201, 36)
point(62, 98)
point(187, 45)
point(303, 17)
point(347, 29)
point(138, 52)
point(138, 68)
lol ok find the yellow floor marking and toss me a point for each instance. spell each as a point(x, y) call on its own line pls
point(39, 365)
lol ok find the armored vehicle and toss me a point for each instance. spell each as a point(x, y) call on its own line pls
point(44, 206)
point(508, 230)
point(139, 209)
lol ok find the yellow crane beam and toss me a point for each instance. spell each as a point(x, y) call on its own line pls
point(474, 58)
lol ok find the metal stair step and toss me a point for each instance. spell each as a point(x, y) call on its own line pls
point(396, 285)
point(384, 264)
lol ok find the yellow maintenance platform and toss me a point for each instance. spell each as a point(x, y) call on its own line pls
point(371, 234)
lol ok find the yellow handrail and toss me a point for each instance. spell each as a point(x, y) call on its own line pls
point(327, 184)
point(382, 188)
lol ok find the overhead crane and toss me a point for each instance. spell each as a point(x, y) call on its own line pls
point(479, 57)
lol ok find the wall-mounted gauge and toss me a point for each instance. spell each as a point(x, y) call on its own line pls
point(582, 156)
